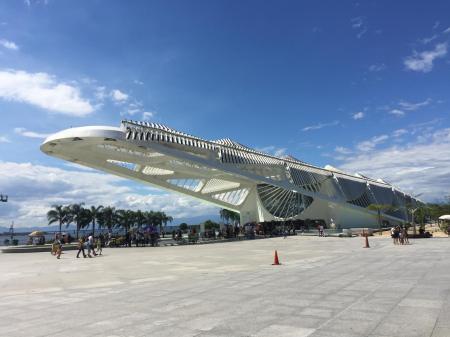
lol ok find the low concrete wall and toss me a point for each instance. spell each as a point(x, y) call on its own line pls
point(35, 249)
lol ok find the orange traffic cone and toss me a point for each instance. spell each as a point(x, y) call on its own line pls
point(367, 241)
point(276, 262)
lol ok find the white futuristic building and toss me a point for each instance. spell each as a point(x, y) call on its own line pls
point(260, 187)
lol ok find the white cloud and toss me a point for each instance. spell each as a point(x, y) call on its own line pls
point(414, 106)
point(377, 67)
point(427, 40)
point(100, 93)
point(417, 167)
point(342, 150)
point(42, 90)
point(425, 127)
point(280, 152)
point(369, 145)
point(30, 134)
point(408, 106)
point(131, 111)
point(37, 187)
point(118, 96)
point(361, 33)
point(399, 132)
point(9, 44)
point(4, 139)
point(30, 3)
point(358, 115)
point(320, 126)
point(359, 24)
point(273, 150)
point(423, 61)
point(446, 31)
point(135, 108)
point(147, 115)
point(138, 82)
point(397, 112)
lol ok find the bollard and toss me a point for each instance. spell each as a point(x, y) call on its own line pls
point(367, 241)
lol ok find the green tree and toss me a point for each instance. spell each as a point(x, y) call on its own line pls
point(435, 210)
point(165, 219)
point(93, 215)
point(85, 219)
point(211, 225)
point(438, 209)
point(58, 214)
point(75, 215)
point(107, 218)
point(139, 218)
point(183, 226)
point(380, 209)
point(158, 220)
point(150, 218)
point(125, 219)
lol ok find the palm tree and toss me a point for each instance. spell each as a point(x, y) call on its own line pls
point(158, 220)
point(75, 215)
point(379, 208)
point(165, 219)
point(418, 212)
point(125, 219)
point(93, 215)
point(107, 218)
point(150, 218)
point(58, 214)
point(139, 218)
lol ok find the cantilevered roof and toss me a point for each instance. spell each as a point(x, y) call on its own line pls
point(230, 148)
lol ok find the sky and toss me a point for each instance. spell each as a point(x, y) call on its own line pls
point(362, 86)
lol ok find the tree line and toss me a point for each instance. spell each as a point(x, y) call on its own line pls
point(104, 217)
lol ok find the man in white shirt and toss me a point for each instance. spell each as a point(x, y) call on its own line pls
point(91, 246)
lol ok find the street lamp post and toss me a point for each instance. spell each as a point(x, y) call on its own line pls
point(11, 231)
point(413, 210)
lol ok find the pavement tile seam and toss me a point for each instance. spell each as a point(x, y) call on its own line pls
point(422, 276)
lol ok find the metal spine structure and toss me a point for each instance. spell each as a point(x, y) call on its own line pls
point(259, 186)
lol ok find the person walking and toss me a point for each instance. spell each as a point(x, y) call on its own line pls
point(406, 237)
point(99, 246)
point(81, 247)
point(91, 246)
point(57, 247)
point(321, 230)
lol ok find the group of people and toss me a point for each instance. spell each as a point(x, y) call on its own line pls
point(399, 235)
point(142, 238)
point(93, 246)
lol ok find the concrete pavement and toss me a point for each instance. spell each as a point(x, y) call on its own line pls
point(325, 287)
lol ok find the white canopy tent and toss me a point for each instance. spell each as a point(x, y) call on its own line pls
point(443, 223)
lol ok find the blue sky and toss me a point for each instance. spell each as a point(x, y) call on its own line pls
point(362, 86)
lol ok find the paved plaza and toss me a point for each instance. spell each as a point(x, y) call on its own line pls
point(325, 287)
